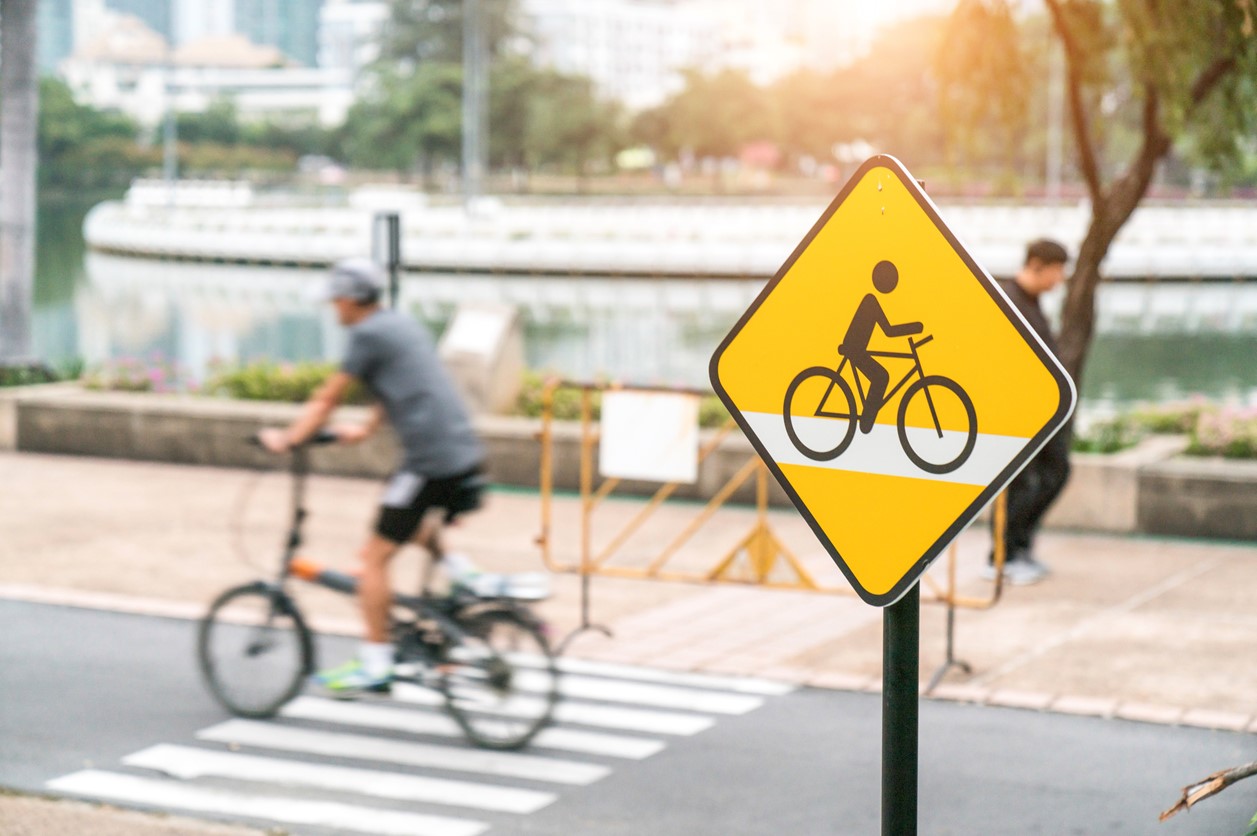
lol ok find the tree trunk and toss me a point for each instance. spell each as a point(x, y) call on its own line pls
point(1109, 214)
point(1078, 313)
point(19, 91)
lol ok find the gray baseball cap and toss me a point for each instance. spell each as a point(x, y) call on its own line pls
point(358, 279)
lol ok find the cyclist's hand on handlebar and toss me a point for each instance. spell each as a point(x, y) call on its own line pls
point(350, 433)
point(274, 439)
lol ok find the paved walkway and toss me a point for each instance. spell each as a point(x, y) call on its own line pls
point(1143, 629)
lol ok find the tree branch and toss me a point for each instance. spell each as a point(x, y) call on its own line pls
point(1077, 110)
point(1209, 78)
point(1212, 785)
point(1130, 188)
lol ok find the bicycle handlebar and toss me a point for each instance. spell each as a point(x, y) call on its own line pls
point(319, 439)
point(920, 342)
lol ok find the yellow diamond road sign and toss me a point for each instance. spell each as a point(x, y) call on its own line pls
point(888, 382)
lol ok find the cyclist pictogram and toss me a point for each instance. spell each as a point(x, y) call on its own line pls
point(821, 410)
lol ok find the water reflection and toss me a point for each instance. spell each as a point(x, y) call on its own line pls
point(1156, 341)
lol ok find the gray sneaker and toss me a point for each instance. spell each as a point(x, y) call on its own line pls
point(1020, 571)
point(1042, 567)
point(1024, 572)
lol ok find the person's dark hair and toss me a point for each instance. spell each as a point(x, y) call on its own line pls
point(1046, 251)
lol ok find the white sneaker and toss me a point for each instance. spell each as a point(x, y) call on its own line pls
point(1023, 572)
point(1043, 567)
point(1019, 572)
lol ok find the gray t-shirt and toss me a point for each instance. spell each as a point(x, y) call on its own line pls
point(396, 359)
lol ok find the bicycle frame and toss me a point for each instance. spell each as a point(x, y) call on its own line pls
point(915, 371)
point(292, 565)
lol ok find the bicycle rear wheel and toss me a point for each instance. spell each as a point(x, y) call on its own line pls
point(819, 413)
point(500, 682)
point(254, 650)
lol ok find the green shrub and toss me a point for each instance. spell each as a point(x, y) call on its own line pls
point(266, 380)
point(1225, 431)
point(1170, 419)
point(26, 375)
point(567, 403)
point(712, 412)
point(567, 399)
point(1109, 436)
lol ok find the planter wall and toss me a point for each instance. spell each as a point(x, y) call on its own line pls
point(1186, 496)
point(1145, 490)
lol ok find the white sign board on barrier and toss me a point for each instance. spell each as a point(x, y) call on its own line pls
point(649, 435)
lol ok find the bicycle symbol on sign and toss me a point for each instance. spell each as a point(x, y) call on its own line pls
point(821, 412)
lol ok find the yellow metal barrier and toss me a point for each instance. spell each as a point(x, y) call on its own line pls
point(756, 557)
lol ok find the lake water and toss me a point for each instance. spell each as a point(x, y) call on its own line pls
point(1156, 342)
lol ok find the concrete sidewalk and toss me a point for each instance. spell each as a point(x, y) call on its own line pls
point(1141, 629)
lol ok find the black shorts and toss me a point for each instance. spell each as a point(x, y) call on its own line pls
point(409, 496)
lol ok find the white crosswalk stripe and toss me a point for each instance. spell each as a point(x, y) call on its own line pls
point(377, 765)
point(588, 714)
point(123, 788)
point(417, 722)
point(360, 747)
point(186, 762)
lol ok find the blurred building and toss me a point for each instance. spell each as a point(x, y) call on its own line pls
point(196, 19)
point(349, 33)
point(129, 67)
point(633, 50)
point(54, 33)
point(157, 15)
point(292, 26)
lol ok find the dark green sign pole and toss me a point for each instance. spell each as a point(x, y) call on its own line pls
point(901, 665)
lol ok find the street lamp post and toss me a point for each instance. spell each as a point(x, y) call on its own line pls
point(170, 149)
point(19, 85)
point(475, 88)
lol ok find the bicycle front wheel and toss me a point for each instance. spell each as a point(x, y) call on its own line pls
point(254, 650)
point(820, 414)
point(938, 426)
point(501, 681)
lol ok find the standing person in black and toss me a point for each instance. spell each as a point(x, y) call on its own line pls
point(1037, 486)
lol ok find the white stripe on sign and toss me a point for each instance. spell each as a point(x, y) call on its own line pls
point(186, 762)
point(590, 714)
point(130, 789)
point(501, 764)
point(419, 722)
point(880, 452)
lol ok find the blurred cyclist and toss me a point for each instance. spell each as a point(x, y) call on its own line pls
point(395, 357)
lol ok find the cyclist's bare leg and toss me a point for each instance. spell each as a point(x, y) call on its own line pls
point(374, 592)
point(456, 566)
point(429, 536)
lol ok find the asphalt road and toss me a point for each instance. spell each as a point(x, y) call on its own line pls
point(82, 690)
